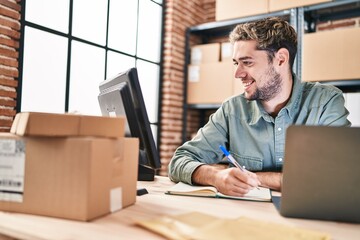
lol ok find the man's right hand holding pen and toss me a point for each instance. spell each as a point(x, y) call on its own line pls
point(235, 181)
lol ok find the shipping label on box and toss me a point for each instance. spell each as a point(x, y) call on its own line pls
point(226, 51)
point(193, 73)
point(12, 170)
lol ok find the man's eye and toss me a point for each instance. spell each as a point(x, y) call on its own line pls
point(235, 63)
point(246, 63)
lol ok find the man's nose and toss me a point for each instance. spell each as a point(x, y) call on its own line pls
point(240, 72)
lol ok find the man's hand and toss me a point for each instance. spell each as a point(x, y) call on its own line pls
point(229, 181)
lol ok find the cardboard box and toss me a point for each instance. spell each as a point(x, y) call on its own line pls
point(226, 52)
point(210, 83)
point(52, 124)
point(276, 5)
point(205, 53)
point(79, 178)
point(331, 55)
point(229, 9)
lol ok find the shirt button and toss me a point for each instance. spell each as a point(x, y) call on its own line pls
point(279, 129)
point(280, 159)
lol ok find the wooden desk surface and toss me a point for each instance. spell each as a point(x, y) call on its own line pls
point(120, 225)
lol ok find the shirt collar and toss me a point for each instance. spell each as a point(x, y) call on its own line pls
point(294, 103)
point(291, 107)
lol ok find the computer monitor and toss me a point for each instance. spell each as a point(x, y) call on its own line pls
point(121, 96)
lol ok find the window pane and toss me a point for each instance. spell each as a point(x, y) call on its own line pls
point(118, 63)
point(122, 25)
point(149, 81)
point(44, 72)
point(149, 31)
point(154, 132)
point(52, 14)
point(87, 71)
point(89, 20)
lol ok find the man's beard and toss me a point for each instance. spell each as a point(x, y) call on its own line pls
point(270, 89)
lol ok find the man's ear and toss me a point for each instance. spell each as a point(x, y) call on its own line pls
point(282, 57)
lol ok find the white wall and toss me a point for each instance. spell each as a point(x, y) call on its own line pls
point(352, 103)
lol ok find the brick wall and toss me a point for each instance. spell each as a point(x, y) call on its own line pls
point(179, 15)
point(9, 45)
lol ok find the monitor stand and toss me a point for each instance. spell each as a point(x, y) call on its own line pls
point(144, 174)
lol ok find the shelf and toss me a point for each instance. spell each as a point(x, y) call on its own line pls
point(345, 85)
point(300, 18)
point(225, 26)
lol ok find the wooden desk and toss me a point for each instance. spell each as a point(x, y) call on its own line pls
point(120, 225)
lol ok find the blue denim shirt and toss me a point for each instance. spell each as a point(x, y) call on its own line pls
point(254, 138)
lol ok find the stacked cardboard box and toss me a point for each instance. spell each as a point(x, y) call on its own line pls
point(210, 74)
point(331, 55)
point(67, 166)
point(230, 9)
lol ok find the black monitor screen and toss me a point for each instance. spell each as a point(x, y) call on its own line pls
point(122, 96)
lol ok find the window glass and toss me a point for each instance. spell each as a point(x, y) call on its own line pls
point(149, 81)
point(89, 20)
point(122, 26)
point(53, 14)
point(117, 63)
point(44, 72)
point(149, 32)
point(87, 71)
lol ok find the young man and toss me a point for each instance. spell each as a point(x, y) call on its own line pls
point(252, 125)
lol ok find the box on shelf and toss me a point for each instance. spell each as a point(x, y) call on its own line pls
point(209, 83)
point(79, 178)
point(205, 53)
point(331, 55)
point(53, 124)
point(228, 9)
point(276, 5)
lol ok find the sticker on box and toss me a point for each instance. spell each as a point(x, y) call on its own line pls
point(12, 169)
point(115, 199)
point(194, 74)
point(196, 56)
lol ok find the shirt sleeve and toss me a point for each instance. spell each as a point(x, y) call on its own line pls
point(202, 149)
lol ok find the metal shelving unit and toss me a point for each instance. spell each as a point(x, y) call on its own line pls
point(302, 19)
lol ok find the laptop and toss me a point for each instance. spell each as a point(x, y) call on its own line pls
point(321, 173)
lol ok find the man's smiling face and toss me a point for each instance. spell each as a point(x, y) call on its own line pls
point(257, 73)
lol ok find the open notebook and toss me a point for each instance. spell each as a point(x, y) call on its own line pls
point(260, 194)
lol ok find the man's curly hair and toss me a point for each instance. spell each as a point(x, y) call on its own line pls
point(271, 34)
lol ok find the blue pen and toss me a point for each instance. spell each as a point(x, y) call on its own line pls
point(232, 160)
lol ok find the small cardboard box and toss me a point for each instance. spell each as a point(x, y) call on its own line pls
point(331, 55)
point(210, 83)
point(229, 9)
point(52, 124)
point(205, 53)
point(276, 5)
point(79, 178)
